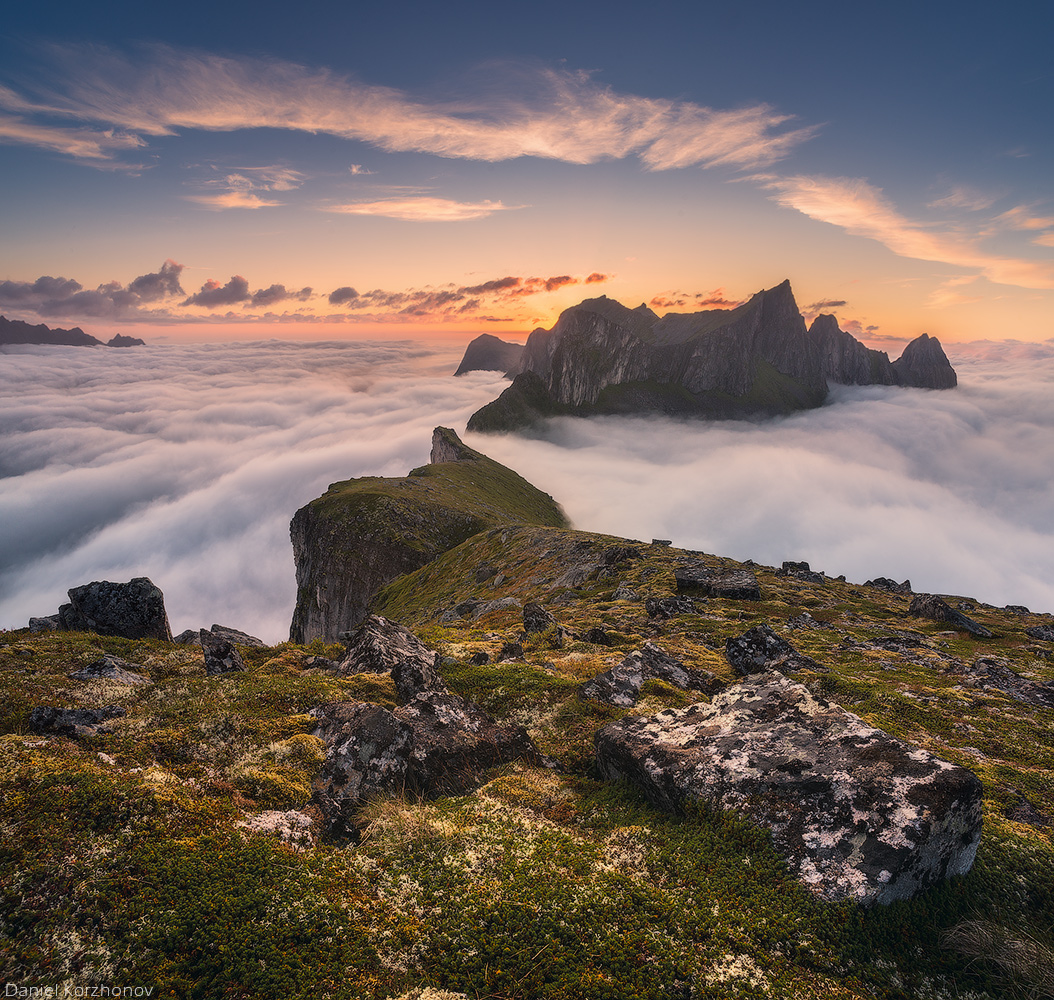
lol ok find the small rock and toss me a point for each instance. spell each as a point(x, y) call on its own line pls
point(72, 722)
point(1018, 609)
point(510, 651)
point(321, 663)
point(1023, 811)
point(885, 583)
point(759, 649)
point(484, 571)
point(188, 637)
point(479, 659)
point(622, 683)
point(618, 554)
point(625, 592)
point(221, 656)
point(992, 673)
point(800, 571)
point(49, 623)
point(665, 608)
point(597, 636)
point(665, 542)
point(537, 619)
point(112, 668)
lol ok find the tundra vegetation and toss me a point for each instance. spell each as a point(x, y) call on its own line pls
point(146, 851)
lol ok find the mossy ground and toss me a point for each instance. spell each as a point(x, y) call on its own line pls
point(123, 860)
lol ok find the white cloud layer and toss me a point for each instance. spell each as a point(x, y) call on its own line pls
point(185, 464)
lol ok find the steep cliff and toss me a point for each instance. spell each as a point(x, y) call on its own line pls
point(924, 365)
point(363, 533)
point(757, 359)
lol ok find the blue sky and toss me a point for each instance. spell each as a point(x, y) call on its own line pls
point(471, 166)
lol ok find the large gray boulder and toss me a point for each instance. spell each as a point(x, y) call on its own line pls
point(932, 607)
point(133, 610)
point(759, 649)
point(221, 655)
point(622, 683)
point(381, 646)
point(111, 668)
point(857, 814)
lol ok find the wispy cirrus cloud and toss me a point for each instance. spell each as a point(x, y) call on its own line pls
point(233, 199)
point(238, 188)
point(860, 208)
point(560, 114)
point(99, 148)
point(424, 209)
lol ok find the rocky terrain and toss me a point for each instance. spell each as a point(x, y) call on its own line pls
point(756, 359)
point(15, 331)
point(546, 763)
point(487, 353)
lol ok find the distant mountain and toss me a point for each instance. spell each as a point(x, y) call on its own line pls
point(15, 331)
point(758, 359)
point(488, 353)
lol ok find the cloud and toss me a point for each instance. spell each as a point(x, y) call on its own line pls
point(962, 196)
point(424, 209)
point(119, 464)
point(358, 170)
point(233, 199)
point(341, 295)
point(862, 209)
point(596, 277)
point(277, 293)
point(520, 110)
point(116, 464)
point(213, 295)
point(696, 301)
point(823, 305)
point(99, 148)
point(48, 296)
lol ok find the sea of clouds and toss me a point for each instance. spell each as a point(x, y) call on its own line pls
point(185, 464)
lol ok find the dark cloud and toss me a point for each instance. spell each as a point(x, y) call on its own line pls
point(596, 277)
point(824, 305)
point(213, 294)
point(278, 293)
point(497, 285)
point(344, 294)
point(160, 284)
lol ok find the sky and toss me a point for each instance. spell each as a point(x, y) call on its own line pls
point(185, 465)
point(334, 170)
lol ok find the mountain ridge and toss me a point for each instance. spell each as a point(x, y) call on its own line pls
point(758, 359)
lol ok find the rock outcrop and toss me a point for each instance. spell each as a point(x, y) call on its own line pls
point(488, 353)
point(760, 649)
point(622, 683)
point(221, 655)
point(133, 610)
point(364, 533)
point(756, 359)
point(858, 814)
point(933, 607)
point(76, 723)
point(434, 743)
point(112, 668)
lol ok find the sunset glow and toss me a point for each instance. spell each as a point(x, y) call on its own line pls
point(456, 174)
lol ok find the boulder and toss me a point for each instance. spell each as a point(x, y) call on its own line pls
point(1045, 633)
point(221, 655)
point(49, 623)
point(537, 619)
point(133, 610)
point(857, 814)
point(665, 608)
point(112, 668)
point(759, 649)
point(730, 584)
point(800, 571)
point(381, 646)
point(192, 637)
point(72, 722)
point(885, 583)
point(622, 683)
point(932, 607)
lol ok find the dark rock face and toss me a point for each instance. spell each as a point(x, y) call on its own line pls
point(537, 619)
point(120, 340)
point(932, 607)
point(380, 646)
point(192, 637)
point(758, 358)
point(15, 331)
point(858, 814)
point(112, 668)
point(845, 359)
point(133, 610)
point(488, 353)
point(622, 683)
point(664, 608)
point(760, 649)
point(49, 623)
point(924, 365)
point(73, 722)
point(221, 655)
point(1042, 632)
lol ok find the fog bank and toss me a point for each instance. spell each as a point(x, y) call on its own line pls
point(185, 464)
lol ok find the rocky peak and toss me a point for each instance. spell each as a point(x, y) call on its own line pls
point(924, 365)
point(448, 447)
